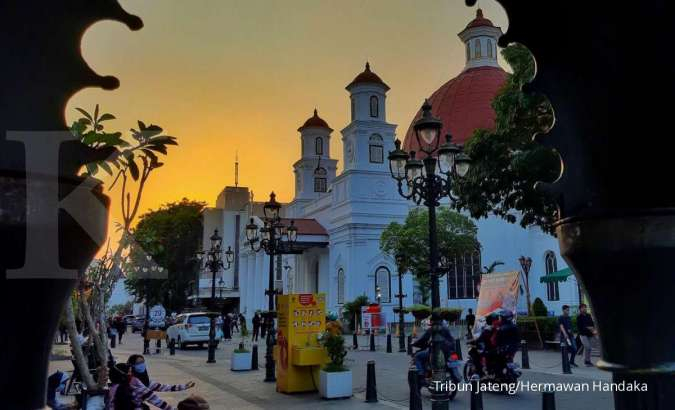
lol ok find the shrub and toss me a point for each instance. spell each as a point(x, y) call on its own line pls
point(334, 344)
point(538, 308)
point(450, 315)
point(420, 312)
point(241, 349)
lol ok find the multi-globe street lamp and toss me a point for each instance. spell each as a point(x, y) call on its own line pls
point(214, 262)
point(428, 181)
point(274, 238)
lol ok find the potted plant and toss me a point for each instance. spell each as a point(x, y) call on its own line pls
point(335, 379)
point(241, 356)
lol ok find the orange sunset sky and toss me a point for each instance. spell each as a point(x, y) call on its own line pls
point(243, 75)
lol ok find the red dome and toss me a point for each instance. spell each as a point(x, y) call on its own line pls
point(315, 121)
point(464, 104)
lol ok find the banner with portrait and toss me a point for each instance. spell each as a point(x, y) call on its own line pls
point(498, 291)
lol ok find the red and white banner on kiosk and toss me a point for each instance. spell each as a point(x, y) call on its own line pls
point(498, 291)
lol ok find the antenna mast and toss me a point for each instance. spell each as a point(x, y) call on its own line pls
point(236, 169)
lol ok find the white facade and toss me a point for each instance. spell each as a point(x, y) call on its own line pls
point(357, 206)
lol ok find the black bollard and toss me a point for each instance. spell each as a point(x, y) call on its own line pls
point(158, 346)
point(172, 347)
point(113, 341)
point(410, 353)
point(476, 394)
point(458, 348)
point(415, 396)
point(355, 342)
point(372, 341)
point(146, 346)
point(548, 400)
point(524, 355)
point(565, 358)
point(254, 357)
point(389, 343)
point(371, 388)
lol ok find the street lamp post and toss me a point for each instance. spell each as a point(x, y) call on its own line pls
point(274, 238)
point(214, 263)
point(425, 185)
point(526, 264)
point(400, 296)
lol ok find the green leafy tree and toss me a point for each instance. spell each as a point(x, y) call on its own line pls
point(457, 235)
point(171, 236)
point(506, 163)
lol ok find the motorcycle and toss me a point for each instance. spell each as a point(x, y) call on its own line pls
point(507, 374)
point(452, 374)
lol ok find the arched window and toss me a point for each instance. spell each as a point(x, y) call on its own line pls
point(376, 149)
point(353, 108)
point(341, 286)
point(551, 264)
point(489, 48)
point(463, 276)
point(320, 184)
point(318, 146)
point(383, 281)
point(476, 48)
point(374, 106)
point(468, 52)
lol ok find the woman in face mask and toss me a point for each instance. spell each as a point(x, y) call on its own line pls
point(138, 370)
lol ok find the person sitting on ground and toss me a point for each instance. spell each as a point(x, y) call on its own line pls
point(194, 402)
point(129, 393)
point(139, 370)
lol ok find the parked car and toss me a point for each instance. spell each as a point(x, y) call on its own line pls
point(137, 324)
point(128, 319)
point(192, 328)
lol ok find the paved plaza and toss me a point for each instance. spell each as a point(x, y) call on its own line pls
point(225, 389)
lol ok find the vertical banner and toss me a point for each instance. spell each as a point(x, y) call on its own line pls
point(498, 291)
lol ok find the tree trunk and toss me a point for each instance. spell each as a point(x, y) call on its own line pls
point(80, 360)
point(100, 342)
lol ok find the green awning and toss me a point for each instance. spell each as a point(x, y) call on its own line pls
point(558, 276)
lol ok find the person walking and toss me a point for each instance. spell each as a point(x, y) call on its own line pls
point(121, 328)
point(227, 327)
point(242, 322)
point(234, 322)
point(63, 331)
point(470, 321)
point(565, 324)
point(587, 332)
point(256, 326)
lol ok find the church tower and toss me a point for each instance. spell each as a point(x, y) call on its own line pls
point(368, 138)
point(315, 170)
point(480, 42)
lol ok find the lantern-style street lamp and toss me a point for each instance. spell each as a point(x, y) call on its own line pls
point(274, 238)
point(212, 259)
point(428, 181)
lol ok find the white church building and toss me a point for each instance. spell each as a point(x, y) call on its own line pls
point(340, 217)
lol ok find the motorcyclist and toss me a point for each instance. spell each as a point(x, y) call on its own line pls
point(483, 344)
point(424, 342)
point(508, 340)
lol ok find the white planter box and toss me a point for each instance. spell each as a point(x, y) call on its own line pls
point(334, 385)
point(241, 361)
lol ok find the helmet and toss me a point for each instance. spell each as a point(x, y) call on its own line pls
point(506, 315)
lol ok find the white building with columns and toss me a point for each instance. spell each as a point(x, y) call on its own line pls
point(340, 217)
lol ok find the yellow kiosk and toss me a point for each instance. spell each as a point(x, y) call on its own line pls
point(298, 354)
